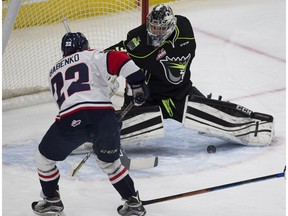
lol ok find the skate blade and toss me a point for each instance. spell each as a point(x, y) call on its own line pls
point(51, 214)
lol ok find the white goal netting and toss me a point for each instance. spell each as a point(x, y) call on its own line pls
point(35, 42)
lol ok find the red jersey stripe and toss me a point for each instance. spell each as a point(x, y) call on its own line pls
point(115, 61)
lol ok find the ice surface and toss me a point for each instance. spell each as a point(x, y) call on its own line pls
point(241, 56)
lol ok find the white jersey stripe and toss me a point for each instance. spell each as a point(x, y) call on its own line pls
point(49, 176)
point(83, 106)
point(119, 175)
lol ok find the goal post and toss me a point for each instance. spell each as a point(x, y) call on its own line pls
point(34, 43)
point(9, 21)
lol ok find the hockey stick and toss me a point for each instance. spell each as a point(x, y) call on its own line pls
point(66, 25)
point(215, 188)
point(137, 163)
point(125, 160)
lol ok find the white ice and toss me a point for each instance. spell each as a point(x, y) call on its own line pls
point(241, 56)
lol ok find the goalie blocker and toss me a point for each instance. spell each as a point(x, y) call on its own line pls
point(228, 121)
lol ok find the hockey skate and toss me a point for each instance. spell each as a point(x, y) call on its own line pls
point(51, 206)
point(132, 207)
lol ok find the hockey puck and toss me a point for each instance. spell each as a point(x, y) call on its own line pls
point(211, 149)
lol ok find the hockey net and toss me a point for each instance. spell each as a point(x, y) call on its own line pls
point(34, 43)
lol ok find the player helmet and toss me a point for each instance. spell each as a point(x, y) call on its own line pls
point(73, 42)
point(160, 24)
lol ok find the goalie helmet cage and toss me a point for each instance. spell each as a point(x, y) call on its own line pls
point(34, 42)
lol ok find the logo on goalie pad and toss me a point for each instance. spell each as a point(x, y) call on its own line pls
point(244, 110)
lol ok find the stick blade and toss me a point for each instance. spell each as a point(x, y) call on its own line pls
point(143, 163)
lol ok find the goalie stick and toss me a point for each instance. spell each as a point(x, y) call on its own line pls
point(215, 188)
point(125, 160)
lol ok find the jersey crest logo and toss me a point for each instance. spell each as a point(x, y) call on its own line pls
point(175, 68)
point(75, 123)
point(161, 54)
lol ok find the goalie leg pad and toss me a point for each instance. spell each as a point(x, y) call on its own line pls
point(228, 121)
point(142, 123)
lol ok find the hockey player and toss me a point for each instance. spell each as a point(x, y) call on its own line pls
point(164, 48)
point(79, 84)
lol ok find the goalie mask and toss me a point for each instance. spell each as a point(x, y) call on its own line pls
point(160, 24)
point(73, 42)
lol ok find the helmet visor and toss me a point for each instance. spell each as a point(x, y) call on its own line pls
point(157, 33)
point(159, 30)
point(156, 29)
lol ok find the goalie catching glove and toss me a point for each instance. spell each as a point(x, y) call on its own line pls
point(140, 93)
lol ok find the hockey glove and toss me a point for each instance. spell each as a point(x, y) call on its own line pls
point(140, 93)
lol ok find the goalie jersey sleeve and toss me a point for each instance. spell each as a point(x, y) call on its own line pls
point(79, 83)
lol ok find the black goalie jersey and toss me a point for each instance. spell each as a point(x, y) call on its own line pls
point(167, 67)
